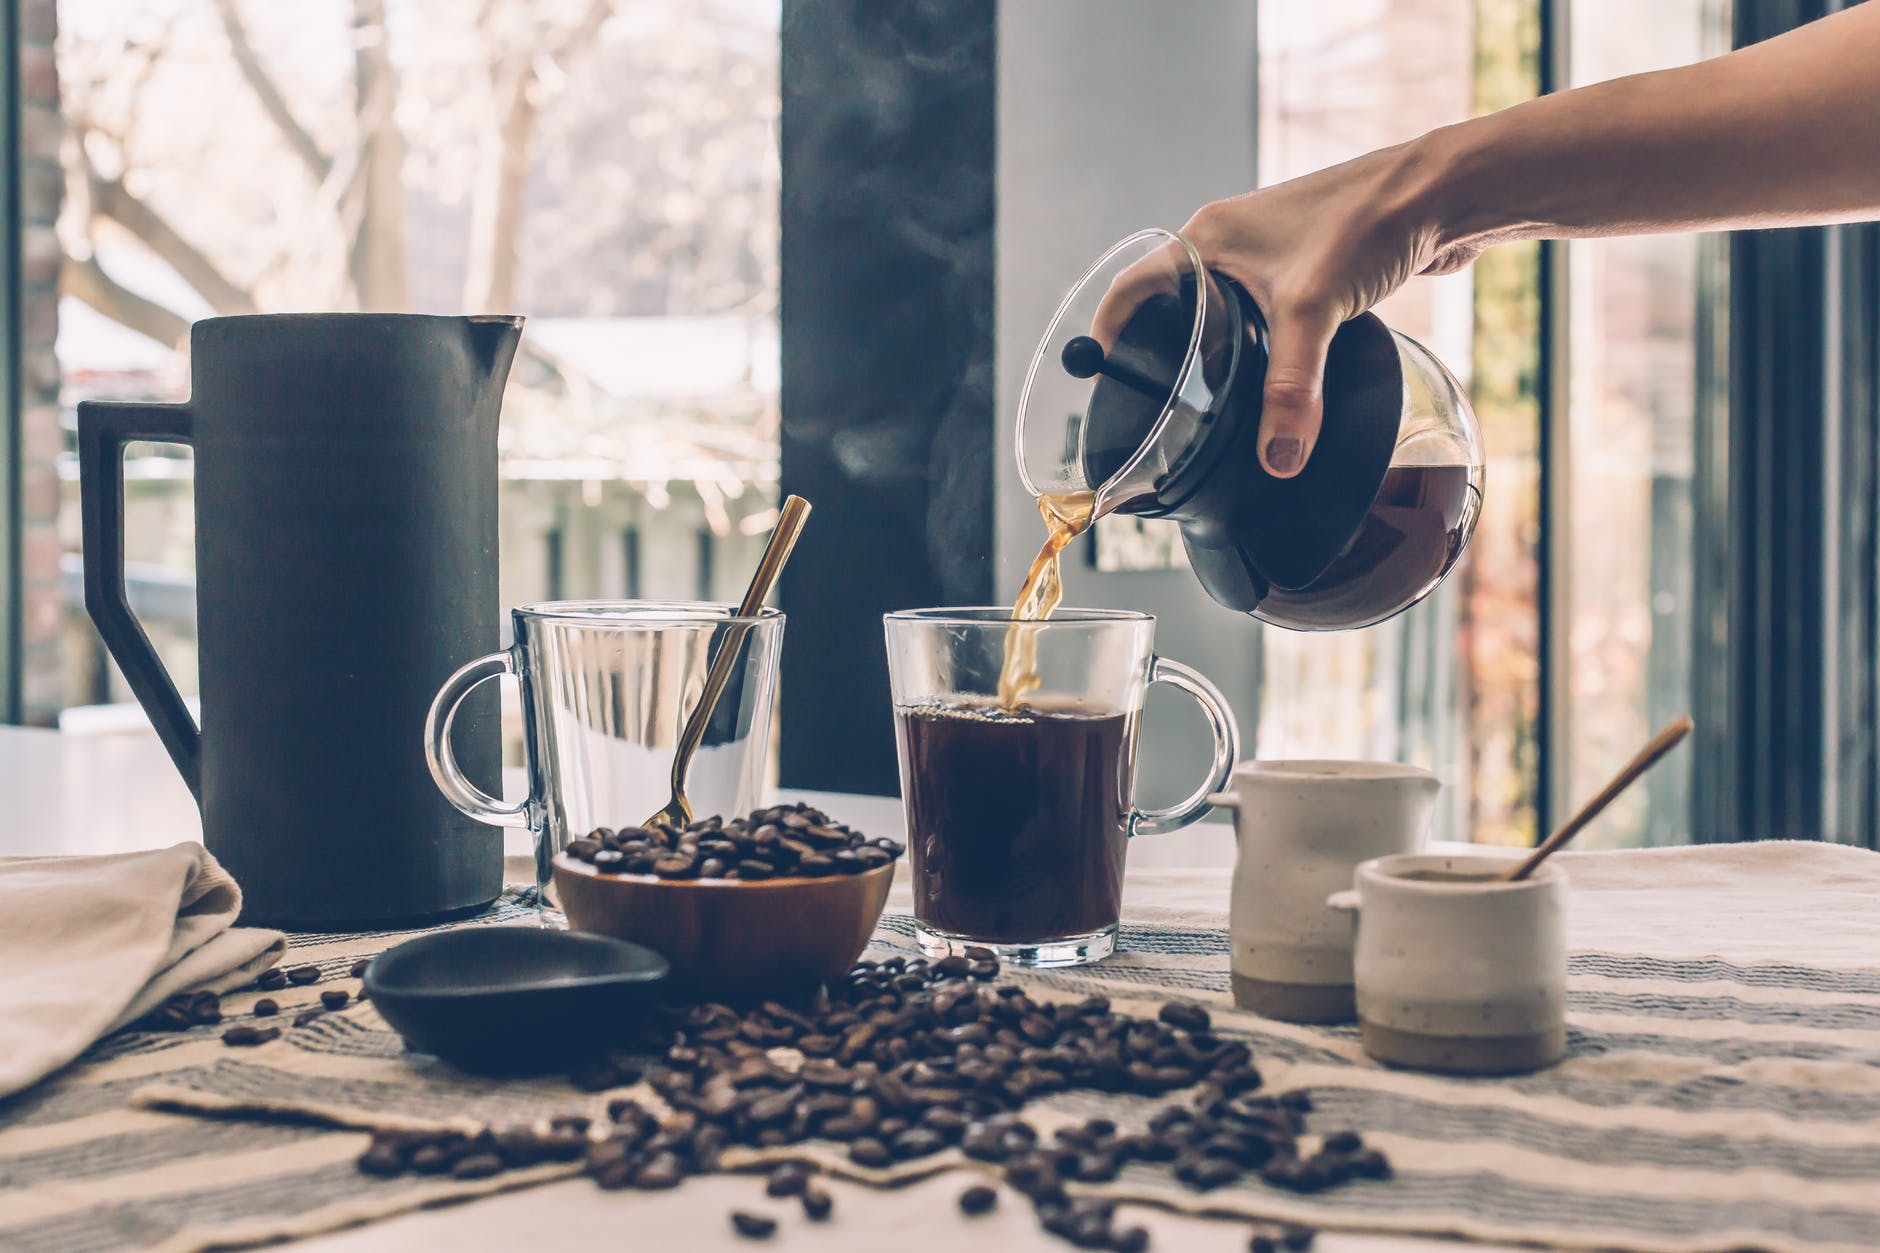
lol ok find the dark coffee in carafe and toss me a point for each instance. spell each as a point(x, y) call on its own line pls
point(1147, 390)
point(1017, 821)
point(1414, 531)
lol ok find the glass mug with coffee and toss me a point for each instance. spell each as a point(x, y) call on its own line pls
point(1020, 802)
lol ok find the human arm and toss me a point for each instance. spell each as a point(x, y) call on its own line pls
point(1782, 133)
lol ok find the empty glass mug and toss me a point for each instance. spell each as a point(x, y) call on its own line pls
point(607, 688)
point(1018, 819)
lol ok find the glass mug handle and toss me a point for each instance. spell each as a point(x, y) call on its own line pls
point(450, 779)
point(1226, 750)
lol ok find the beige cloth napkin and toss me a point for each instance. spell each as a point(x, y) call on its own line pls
point(89, 943)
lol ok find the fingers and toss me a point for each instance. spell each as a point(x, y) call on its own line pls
point(1295, 387)
point(1158, 271)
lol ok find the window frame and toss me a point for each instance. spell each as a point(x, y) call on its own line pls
point(12, 384)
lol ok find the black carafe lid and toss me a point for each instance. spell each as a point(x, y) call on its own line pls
point(1285, 532)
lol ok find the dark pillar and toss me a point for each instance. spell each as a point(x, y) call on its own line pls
point(1786, 691)
point(887, 327)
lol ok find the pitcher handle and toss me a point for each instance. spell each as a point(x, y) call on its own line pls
point(449, 777)
point(1226, 751)
point(104, 427)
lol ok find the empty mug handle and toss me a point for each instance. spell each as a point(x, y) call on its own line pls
point(1226, 750)
point(449, 777)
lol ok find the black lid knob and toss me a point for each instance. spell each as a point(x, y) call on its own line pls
point(1082, 357)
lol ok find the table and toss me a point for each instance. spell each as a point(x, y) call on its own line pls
point(1734, 969)
point(115, 790)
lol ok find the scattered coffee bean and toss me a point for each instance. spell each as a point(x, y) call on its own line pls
point(273, 979)
point(1369, 1164)
point(431, 1159)
point(172, 1015)
point(477, 1166)
point(1298, 1237)
point(753, 1226)
point(1130, 1240)
point(790, 1179)
point(334, 998)
point(1186, 1015)
point(870, 1152)
point(249, 1037)
point(664, 1171)
point(901, 1058)
point(978, 1199)
point(817, 1204)
point(358, 970)
point(266, 1007)
point(1261, 1242)
point(382, 1161)
point(300, 976)
point(306, 1016)
point(183, 1011)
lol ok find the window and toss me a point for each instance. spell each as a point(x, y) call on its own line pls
point(1458, 682)
point(1640, 313)
point(1452, 684)
point(608, 169)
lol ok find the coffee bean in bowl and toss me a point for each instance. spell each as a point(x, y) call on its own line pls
point(782, 898)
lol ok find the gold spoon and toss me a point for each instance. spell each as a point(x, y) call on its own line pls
point(678, 811)
point(1662, 743)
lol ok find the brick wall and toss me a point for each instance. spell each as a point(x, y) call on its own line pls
point(42, 611)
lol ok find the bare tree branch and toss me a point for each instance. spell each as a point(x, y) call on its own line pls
point(87, 280)
point(496, 211)
point(273, 102)
point(498, 205)
point(109, 198)
point(376, 259)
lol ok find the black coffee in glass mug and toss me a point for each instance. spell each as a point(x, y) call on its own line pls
point(1019, 815)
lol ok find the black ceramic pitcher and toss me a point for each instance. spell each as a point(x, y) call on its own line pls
point(345, 565)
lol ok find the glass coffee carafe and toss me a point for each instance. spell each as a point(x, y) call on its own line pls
point(1145, 394)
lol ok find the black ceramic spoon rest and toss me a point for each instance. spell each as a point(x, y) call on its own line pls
point(514, 999)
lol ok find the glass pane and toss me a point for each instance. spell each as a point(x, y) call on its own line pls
point(1453, 683)
point(1634, 326)
point(609, 170)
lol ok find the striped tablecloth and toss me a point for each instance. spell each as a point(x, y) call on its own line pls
point(1722, 1091)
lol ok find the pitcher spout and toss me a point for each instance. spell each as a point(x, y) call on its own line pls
point(493, 339)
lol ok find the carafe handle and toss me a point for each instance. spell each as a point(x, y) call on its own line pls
point(104, 427)
point(1226, 751)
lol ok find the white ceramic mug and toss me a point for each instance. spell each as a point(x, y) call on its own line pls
point(1301, 828)
point(1460, 973)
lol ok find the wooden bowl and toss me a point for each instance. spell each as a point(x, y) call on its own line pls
point(730, 939)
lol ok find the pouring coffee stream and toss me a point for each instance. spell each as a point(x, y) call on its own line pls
point(677, 811)
point(1065, 518)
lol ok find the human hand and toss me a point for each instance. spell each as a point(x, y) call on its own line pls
point(1312, 252)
